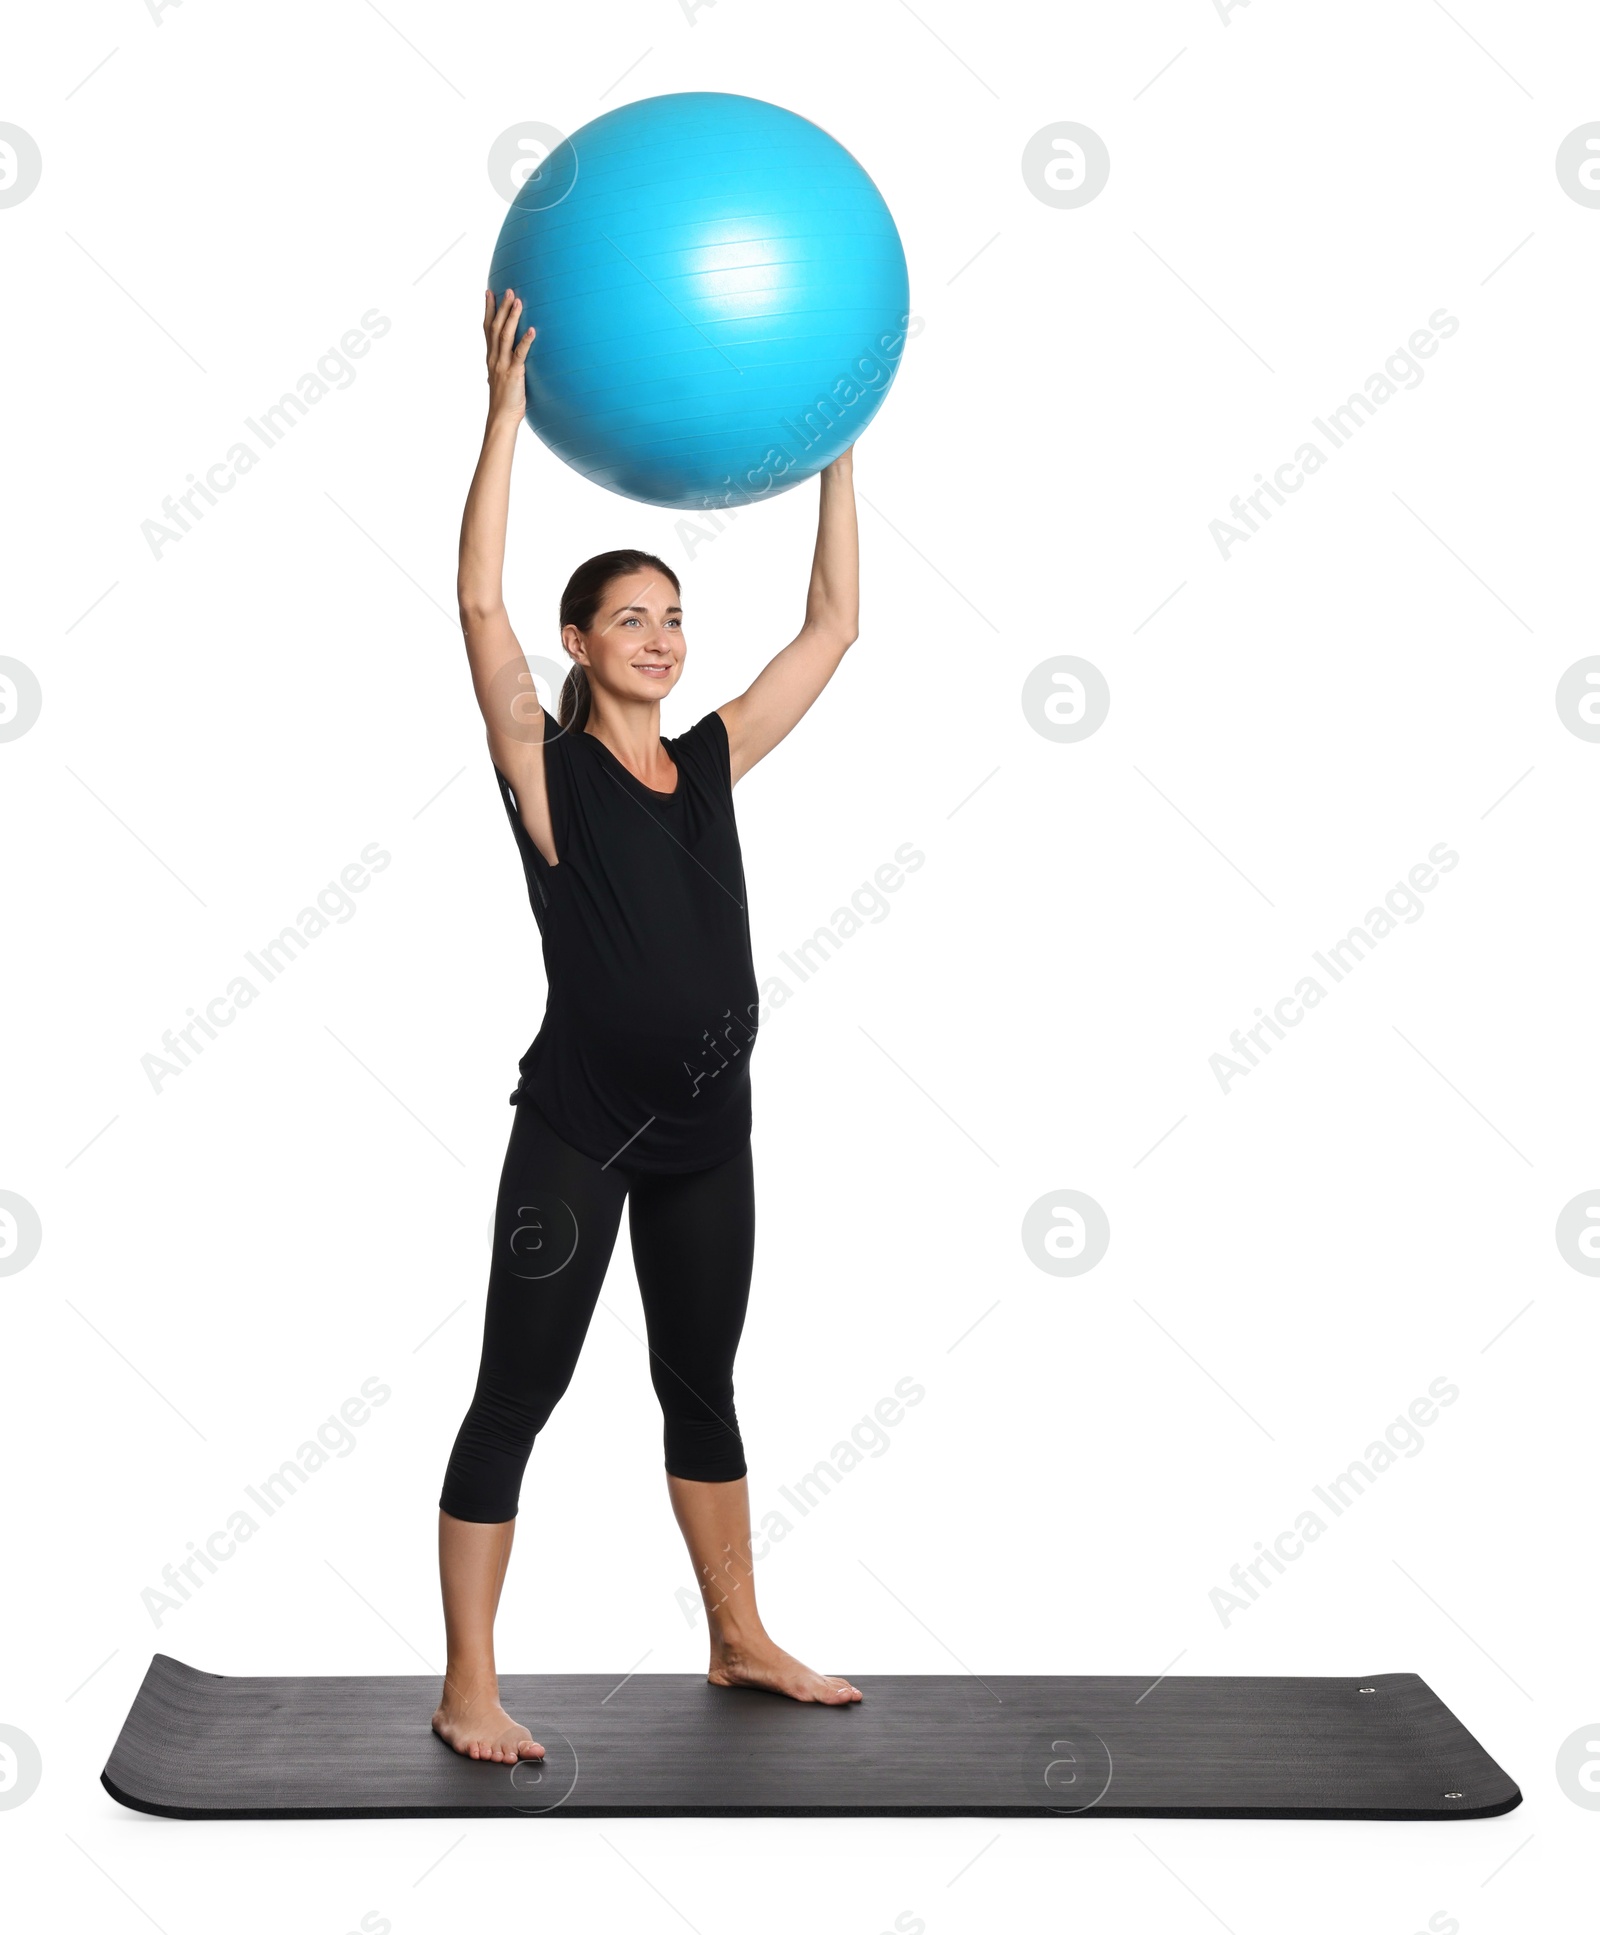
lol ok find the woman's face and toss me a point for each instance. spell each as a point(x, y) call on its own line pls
point(635, 647)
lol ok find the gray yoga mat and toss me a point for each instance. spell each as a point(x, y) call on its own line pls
point(201, 1746)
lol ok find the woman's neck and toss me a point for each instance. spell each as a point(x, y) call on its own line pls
point(632, 735)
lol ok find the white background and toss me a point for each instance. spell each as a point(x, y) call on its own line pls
point(306, 1206)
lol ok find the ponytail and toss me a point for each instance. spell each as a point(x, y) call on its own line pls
point(572, 707)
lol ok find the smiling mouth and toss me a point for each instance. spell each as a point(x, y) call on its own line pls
point(655, 671)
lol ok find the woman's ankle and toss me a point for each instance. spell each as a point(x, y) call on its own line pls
point(471, 1683)
point(735, 1637)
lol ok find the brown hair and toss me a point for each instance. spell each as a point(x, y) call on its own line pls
point(580, 605)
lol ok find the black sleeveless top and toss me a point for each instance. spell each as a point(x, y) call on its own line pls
point(651, 1010)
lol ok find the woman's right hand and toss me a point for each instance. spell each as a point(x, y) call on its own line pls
point(507, 397)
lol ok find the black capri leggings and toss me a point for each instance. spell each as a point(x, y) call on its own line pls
point(556, 1222)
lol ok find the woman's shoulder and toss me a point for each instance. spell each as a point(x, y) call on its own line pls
point(557, 737)
point(708, 732)
point(704, 747)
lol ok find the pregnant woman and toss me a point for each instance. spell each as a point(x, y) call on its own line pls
point(637, 1088)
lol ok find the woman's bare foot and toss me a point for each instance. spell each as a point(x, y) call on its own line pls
point(763, 1663)
point(479, 1727)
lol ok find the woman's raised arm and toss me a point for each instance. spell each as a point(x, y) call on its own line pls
point(500, 677)
point(784, 690)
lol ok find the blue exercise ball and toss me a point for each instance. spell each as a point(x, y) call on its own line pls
point(719, 294)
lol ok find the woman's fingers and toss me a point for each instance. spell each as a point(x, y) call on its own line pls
point(507, 355)
point(502, 333)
